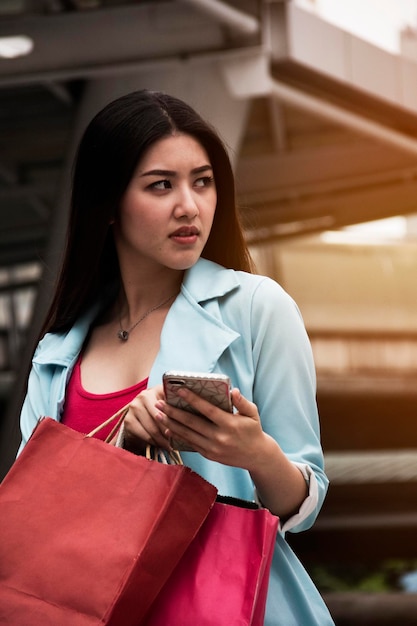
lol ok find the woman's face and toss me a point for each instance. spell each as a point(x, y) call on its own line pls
point(167, 211)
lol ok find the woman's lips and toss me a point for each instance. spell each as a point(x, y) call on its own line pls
point(185, 235)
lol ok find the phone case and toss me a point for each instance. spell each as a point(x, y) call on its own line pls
point(214, 388)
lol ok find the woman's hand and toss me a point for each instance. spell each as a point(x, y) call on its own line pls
point(228, 438)
point(140, 426)
point(237, 439)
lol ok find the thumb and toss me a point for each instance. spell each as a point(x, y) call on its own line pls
point(244, 406)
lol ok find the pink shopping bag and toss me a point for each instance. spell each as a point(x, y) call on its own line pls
point(223, 576)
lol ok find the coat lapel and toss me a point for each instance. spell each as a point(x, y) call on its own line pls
point(194, 337)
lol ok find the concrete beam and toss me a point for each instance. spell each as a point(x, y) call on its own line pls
point(75, 45)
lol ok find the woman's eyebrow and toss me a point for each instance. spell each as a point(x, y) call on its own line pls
point(196, 170)
point(157, 173)
point(203, 168)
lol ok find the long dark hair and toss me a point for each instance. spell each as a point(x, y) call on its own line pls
point(110, 149)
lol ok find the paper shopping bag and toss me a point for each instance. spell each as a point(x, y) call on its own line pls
point(223, 577)
point(85, 527)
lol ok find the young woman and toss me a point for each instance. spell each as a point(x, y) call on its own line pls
point(156, 276)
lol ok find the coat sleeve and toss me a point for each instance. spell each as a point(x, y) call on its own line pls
point(285, 386)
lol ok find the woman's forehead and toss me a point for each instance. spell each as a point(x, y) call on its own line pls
point(174, 151)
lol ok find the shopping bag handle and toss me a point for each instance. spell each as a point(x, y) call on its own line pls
point(119, 415)
point(163, 456)
point(152, 453)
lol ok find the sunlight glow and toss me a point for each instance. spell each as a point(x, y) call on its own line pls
point(375, 232)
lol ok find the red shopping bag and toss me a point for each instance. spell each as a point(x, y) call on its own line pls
point(223, 577)
point(85, 527)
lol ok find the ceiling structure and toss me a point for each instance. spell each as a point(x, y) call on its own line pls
point(300, 168)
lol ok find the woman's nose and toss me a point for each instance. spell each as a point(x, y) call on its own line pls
point(186, 204)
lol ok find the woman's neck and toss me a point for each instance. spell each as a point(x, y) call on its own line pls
point(142, 295)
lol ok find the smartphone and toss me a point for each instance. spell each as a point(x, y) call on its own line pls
point(214, 388)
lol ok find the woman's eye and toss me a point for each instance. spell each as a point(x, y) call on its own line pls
point(161, 185)
point(205, 181)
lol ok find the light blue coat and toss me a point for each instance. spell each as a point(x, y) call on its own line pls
point(247, 327)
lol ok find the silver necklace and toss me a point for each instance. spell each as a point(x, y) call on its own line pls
point(123, 335)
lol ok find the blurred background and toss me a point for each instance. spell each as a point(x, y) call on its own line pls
point(317, 102)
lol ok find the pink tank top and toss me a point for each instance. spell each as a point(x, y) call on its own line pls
point(84, 411)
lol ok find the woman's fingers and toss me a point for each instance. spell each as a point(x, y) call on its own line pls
point(140, 420)
point(217, 435)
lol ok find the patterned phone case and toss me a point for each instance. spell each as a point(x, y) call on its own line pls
point(214, 388)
